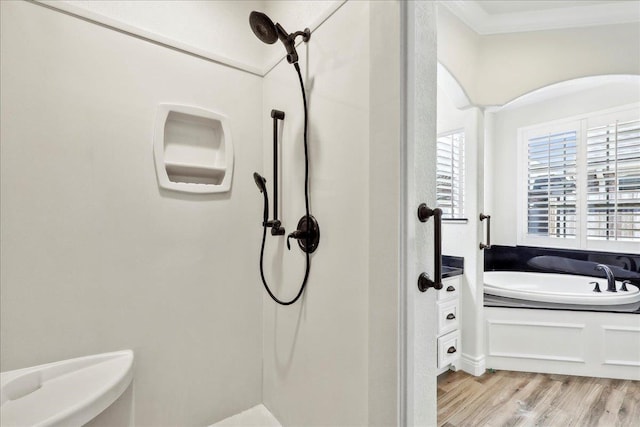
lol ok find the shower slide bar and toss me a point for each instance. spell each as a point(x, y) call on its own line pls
point(276, 225)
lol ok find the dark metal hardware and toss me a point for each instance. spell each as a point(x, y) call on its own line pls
point(611, 280)
point(424, 283)
point(623, 288)
point(450, 289)
point(424, 213)
point(307, 234)
point(597, 287)
point(451, 350)
point(451, 316)
point(488, 218)
point(276, 229)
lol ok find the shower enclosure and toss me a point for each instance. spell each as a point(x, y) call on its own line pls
point(98, 256)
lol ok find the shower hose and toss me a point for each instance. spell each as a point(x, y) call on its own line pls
point(265, 214)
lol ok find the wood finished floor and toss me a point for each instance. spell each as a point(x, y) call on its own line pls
point(506, 398)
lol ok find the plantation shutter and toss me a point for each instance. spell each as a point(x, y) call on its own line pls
point(613, 181)
point(450, 181)
point(551, 185)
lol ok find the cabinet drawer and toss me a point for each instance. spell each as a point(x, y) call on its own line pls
point(450, 289)
point(448, 349)
point(448, 313)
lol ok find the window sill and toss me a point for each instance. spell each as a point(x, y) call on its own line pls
point(455, 220)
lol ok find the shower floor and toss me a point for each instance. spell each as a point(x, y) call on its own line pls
point(258, 416)
point(521, 398)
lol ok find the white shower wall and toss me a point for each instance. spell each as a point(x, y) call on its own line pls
point(315, 352)
point(94, 256)
point(332, 358)
point(213, 28)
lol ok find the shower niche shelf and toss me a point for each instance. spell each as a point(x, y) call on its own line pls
point(193, 150)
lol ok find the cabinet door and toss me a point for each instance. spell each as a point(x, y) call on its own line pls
point(450, 288)
point(448, 313)
point(448, 349)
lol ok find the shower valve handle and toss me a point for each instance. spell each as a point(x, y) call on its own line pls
point(298, 234)
point(307, 233)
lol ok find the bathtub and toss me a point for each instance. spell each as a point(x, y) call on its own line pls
point(556, 288)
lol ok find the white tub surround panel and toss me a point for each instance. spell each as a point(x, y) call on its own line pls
point(605, 345)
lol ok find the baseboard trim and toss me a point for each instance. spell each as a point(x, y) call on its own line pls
point(475, 366)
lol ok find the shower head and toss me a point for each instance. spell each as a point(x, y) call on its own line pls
point(260, 182)
point(264, 28)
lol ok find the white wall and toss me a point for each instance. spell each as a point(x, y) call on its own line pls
point(94, 256)
point(458, 51)
point(504, 126)
point(461, 239)
point(384, 220)
point(515, 64)
point(219, 28)
point(315, 352)
point(495, 69)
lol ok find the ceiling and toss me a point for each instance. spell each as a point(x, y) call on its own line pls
point(507, 16)
point(498, 7)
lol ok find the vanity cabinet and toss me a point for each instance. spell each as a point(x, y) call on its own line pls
point(448, 306)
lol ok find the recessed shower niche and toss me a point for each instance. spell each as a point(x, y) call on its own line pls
point(193, 150)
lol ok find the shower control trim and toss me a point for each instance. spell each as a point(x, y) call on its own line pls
point(307, 234)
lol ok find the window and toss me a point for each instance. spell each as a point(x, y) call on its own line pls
point(450, 174)
point(613, 181)
point(551, 182)
point(582, 182)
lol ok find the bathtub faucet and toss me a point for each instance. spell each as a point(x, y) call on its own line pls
point(611, 281)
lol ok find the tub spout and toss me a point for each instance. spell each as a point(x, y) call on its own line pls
point(611, 280)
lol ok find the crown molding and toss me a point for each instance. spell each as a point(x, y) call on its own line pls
point(472, 14)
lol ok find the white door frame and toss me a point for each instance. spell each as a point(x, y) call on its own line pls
point(417, 346)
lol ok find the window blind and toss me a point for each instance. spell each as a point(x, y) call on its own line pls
point(613, 181)
point(551, 185)
point(450, 174)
